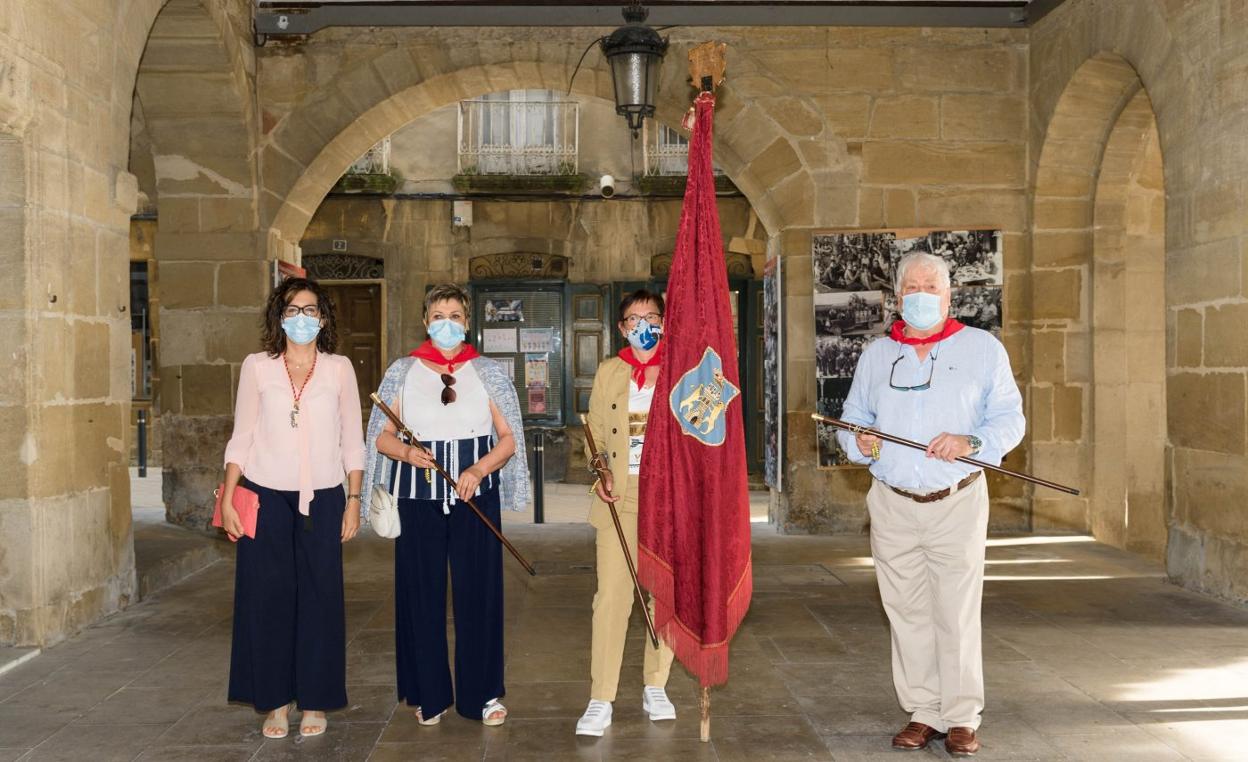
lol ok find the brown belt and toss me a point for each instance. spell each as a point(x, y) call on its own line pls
point(932, 497)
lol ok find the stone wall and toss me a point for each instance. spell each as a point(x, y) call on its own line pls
point(194, 137)
point(820, 128)
point(605, 240)
point(66, 555)
point(1189, 59)
point(425, 155)
point(920, 128)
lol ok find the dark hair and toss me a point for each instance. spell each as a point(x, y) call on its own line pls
point(273, 338)
point(640, 295)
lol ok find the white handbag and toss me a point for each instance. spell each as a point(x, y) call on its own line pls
point(383, 513)
point(383, 508)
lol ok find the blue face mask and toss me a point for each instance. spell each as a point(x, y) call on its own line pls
point(644, 336)
point(301, 329)
point(446, 334)
point(920, 310)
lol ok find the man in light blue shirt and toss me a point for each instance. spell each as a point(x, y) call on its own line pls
point(932, 380)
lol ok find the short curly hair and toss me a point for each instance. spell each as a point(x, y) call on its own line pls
point(273, 338)
point(443, 291)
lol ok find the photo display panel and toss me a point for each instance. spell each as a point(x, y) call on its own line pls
point(854, 301)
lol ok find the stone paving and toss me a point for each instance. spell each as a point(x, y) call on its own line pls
point(1089, 655)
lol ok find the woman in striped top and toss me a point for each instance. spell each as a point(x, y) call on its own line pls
point(445, 399)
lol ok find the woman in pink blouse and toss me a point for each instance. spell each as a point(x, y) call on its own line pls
point(296, 433)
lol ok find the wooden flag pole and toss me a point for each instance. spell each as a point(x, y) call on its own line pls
point(706, 70)
point(706, 715)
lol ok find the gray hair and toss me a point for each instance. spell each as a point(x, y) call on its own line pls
point(923, 260)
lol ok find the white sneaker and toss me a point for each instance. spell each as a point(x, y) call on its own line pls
point(596, 719)
point(654, 702)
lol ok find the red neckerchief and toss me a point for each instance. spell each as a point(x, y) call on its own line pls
point(896, 333)
point(639, 367)
point(428, 351)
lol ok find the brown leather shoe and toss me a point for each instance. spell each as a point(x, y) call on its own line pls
point(914, 736)
point(961, 742)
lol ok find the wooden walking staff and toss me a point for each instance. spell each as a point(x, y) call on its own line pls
point(856, 429)
point(598, 463)
point(707, 65)
point(404, 431)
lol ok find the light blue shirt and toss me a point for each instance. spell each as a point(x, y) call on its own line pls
point(972, 392)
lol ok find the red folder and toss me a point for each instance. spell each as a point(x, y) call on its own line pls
point(246, 503)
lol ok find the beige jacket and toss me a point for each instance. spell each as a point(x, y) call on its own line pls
point(608, 420)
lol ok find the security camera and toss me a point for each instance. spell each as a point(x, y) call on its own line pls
point(606, 186)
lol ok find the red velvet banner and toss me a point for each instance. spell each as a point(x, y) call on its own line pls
point(694, 521)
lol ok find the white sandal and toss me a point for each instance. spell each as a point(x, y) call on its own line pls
point(313, 726)
point(493, 707)
point(434, 720)
point(276, 727)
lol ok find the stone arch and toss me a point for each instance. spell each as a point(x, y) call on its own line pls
point(306, 151)
point(194, 89)
point(1128, 422)
point(1097, 236)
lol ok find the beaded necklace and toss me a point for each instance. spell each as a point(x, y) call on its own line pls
point(294, 411)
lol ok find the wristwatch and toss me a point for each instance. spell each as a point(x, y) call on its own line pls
point(975, 442)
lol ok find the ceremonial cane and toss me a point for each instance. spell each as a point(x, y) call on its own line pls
point(404, 431)
point(856, 429)
point(595, 459)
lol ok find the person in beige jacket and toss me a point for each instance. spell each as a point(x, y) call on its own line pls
point(618, 407)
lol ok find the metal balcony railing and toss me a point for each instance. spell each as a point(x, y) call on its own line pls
point(666, 151)
point(519, 137)
point(375, 161)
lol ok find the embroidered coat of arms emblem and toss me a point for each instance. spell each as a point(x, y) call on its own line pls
point(700, 398)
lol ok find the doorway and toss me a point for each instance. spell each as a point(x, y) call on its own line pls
point(361, 307)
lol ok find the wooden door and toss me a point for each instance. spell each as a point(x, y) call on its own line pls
point(358, 307)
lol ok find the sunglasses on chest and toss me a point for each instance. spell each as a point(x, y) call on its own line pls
point(921, 387)
point(448, 393)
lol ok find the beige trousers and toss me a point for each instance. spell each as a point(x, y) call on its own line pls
point(613, 603)
point(929, 562)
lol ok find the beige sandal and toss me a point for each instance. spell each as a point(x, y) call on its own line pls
point(312, 726)
point(434, 720)
point(276, 727)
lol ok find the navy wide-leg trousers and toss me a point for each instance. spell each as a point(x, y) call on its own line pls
point(428, 540)
point(289, 618)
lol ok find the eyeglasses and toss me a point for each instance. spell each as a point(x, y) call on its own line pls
point(448, 394)
point(649, 317)
point(921, 387)
point(311, 310)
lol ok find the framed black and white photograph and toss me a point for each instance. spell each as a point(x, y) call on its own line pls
point(504, 310)
point(831, 402)
point(849, 313)
point(853, 261)
point(978, 307)
point(854, 301)
point(837, 356)
point(974, 256)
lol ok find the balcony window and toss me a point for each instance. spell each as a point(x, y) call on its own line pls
point(519, 132)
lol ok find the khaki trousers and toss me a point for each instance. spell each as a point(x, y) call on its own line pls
point(613, 603)
point(929, 562)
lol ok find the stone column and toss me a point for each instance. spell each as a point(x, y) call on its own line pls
point(66, 556)
point(195, 89)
